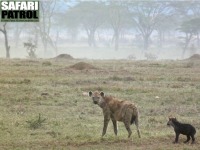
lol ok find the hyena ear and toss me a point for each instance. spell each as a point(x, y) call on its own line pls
point(90, 93)
point(102, 94)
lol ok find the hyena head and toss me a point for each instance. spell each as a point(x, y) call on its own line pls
point(171, 121)
point(96, 96)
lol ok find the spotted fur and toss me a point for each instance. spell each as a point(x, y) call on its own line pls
point(116, 110)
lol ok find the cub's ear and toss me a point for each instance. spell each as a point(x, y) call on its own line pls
point(90, 93)
point(102, 94)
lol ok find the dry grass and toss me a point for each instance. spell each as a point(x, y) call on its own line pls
point(29, 88)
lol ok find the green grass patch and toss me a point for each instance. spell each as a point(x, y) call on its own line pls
point(69, 119)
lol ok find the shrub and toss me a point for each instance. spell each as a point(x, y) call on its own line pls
point(47, 63)
point(36, 123)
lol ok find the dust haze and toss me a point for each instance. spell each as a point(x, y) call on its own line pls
point(107, 29)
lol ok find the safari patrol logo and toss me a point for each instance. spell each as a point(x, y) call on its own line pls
point(19, 11)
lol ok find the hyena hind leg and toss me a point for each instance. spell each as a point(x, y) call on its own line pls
point(193, 139)
point(127, 125)
point(188, 139)
point(137, 126)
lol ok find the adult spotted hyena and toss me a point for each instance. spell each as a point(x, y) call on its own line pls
point(116, 110)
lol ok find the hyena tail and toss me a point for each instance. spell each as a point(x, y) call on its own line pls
point(133, 119)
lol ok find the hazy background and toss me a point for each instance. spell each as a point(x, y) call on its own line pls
point(109, 29)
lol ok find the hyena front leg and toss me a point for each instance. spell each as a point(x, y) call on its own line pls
point(106, 121)
point(176, 139)
point(114, 125)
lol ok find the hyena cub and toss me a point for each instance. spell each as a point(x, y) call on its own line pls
point(116, 110)
point(180, 128)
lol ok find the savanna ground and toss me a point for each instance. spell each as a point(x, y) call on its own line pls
point(69, 120)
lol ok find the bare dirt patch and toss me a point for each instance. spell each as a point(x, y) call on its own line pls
point(63, 57)
point(194, 57)
point(82, 66)
point(140, 144)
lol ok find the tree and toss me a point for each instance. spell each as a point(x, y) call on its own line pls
point(146, 15)
point(71, 23)
point(166, 24)
point(89, 15)
point(30, 48)
point(18, 29)
point(195, 9)
point(4, 31)
point(47, 11)
point(118, 18)
point(190, 28)
point(188, 13)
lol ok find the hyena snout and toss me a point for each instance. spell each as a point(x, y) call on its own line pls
point(169, 123)
point(95, 100)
